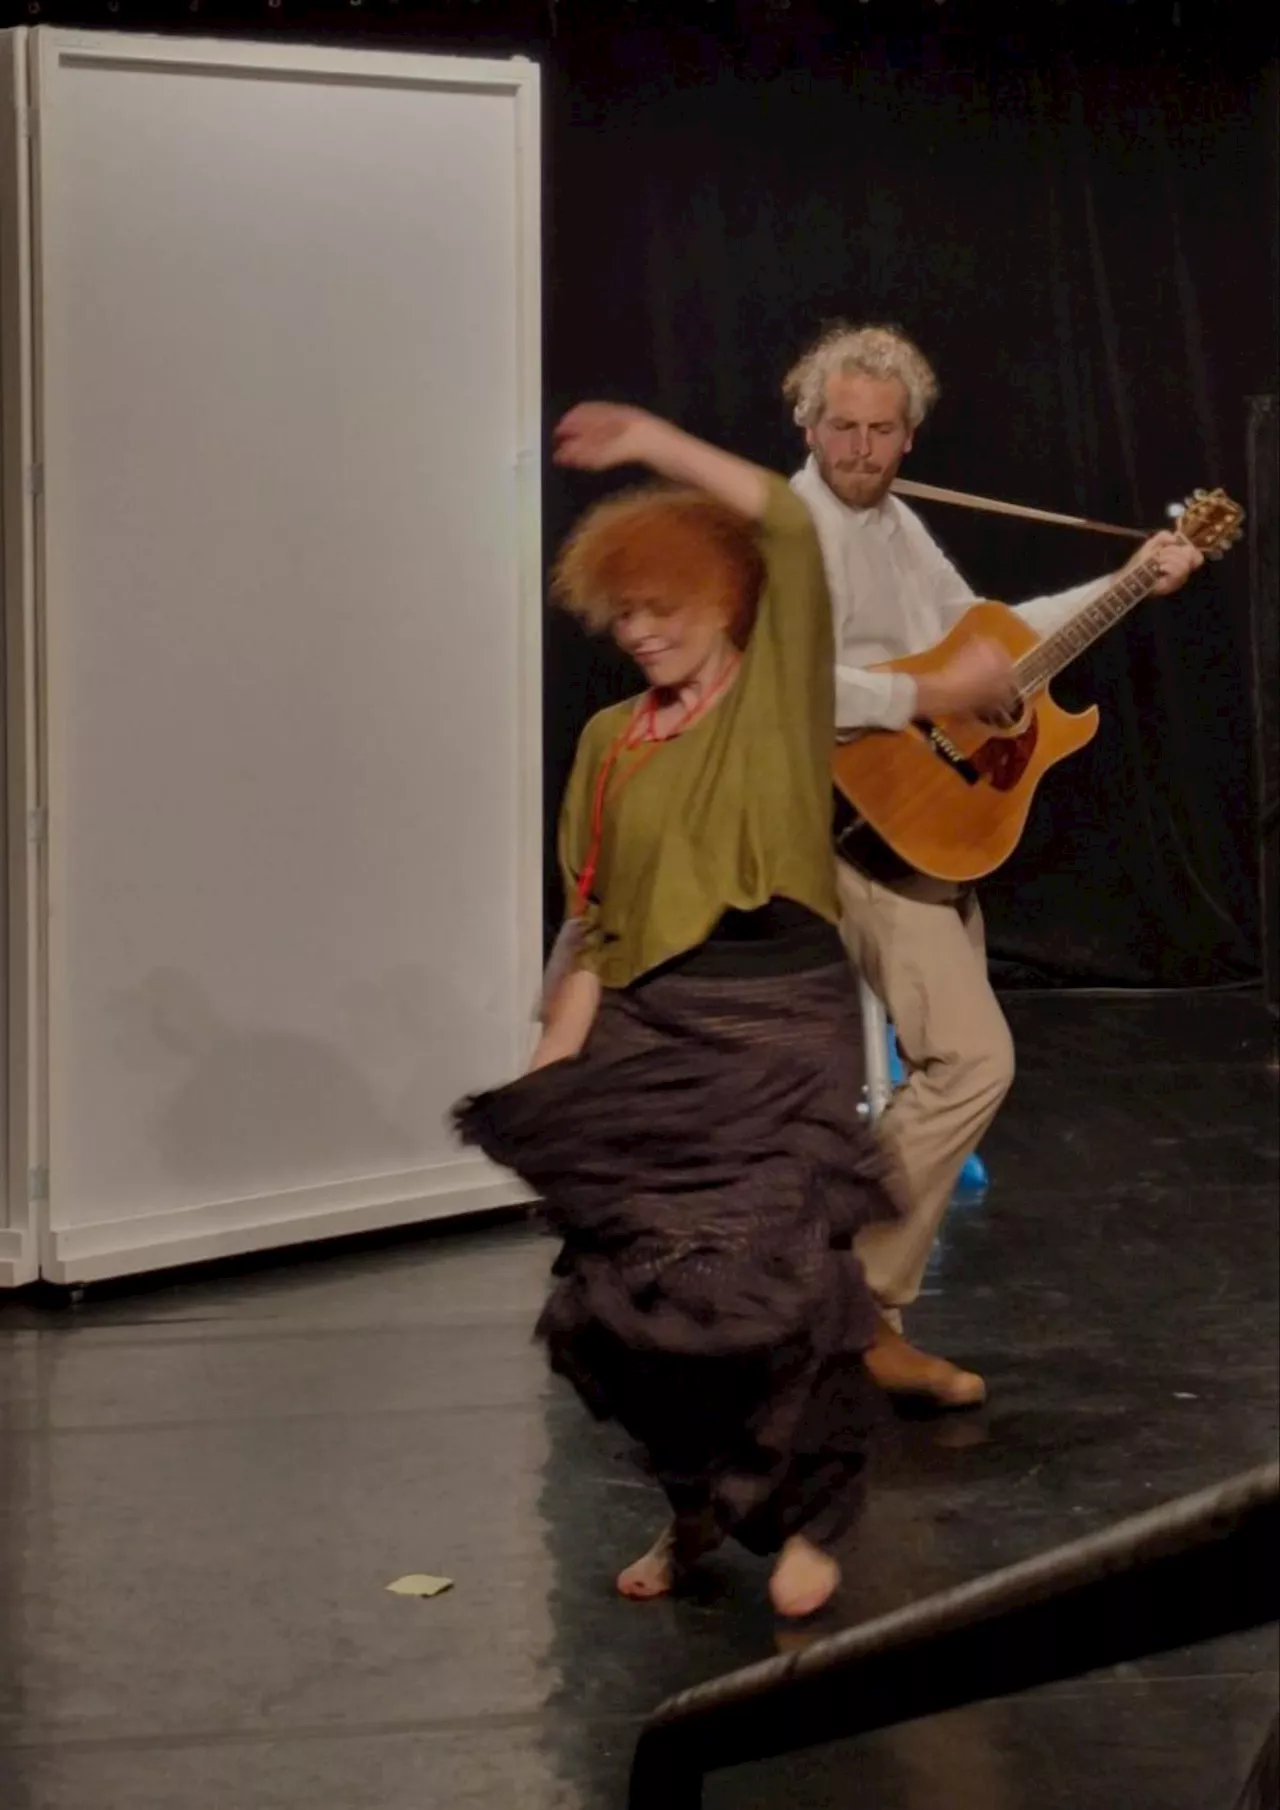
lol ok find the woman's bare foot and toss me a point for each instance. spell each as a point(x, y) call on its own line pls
point(677, 1548)
point(654, 1574)
point(804, 1579)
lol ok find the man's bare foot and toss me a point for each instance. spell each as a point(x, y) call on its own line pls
point(902, 1370)
point(804, 1579)
point(675, 1551)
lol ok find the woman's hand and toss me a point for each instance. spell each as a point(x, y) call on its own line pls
point(596, 436)
point(570, 1016)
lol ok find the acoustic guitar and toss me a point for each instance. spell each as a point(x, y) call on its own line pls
point(951, 798)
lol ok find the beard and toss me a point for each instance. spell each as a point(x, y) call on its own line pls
point(857, 485)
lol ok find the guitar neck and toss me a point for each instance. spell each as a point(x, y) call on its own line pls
point(1049, 657)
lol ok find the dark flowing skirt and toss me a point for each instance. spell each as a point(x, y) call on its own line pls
point(705, 1163)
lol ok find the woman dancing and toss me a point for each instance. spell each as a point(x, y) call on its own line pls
point(689, 1117)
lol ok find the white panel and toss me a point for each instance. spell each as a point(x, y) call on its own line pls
point(288, 302)
point(21, 1144)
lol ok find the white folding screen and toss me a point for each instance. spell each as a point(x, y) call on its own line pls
point(21, 911)
point(287, 588)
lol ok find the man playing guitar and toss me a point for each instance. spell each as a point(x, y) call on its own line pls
point(859, 394)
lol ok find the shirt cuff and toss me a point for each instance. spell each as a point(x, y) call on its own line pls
point(873, 700)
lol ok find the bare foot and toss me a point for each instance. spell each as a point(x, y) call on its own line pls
point(677, 1548)
point(902, 1370)
point(654, 1574)
point(804, 1579)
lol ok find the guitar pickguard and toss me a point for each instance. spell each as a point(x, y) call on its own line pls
point(1005, 758)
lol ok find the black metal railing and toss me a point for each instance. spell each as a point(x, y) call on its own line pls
point(1203, 1566)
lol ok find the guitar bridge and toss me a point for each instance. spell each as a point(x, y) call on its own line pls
point(946, 750)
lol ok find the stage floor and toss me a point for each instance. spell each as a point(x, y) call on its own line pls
point(206, 1486)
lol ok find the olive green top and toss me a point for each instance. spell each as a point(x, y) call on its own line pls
point(734, 811)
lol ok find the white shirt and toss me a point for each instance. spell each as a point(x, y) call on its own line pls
point(895, 592)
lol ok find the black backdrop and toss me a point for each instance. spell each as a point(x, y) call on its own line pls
point(1080, 228)
point(1072, 204)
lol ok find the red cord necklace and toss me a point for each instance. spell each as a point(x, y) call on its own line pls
point(641, 732)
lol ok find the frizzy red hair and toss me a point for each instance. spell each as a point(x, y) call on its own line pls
point(661, 542)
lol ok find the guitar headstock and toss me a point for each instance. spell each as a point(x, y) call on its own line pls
point(1209, 520)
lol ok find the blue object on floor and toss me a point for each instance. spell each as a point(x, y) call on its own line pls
point(973, 1177)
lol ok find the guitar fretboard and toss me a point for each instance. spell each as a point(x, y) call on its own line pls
point(1046, 660)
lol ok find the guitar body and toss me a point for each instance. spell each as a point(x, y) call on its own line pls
point(951, 798)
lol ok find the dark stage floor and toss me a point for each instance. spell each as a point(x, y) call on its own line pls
point(205, 1488)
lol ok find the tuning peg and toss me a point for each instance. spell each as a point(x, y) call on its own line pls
point(1174, 510)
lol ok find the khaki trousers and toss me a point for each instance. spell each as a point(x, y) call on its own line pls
point(920, 946)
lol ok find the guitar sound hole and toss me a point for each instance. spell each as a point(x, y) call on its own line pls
point(1006, 720)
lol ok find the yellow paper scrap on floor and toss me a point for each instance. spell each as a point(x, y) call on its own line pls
point(418, 1584)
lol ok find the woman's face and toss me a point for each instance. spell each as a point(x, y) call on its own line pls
point(671, 643)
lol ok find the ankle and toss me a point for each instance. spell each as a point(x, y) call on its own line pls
point(693, 1536)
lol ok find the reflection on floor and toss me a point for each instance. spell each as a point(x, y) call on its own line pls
point(205, 1488)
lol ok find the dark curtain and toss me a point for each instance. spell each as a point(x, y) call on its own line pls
point(1080, 229)
point(1072, 204)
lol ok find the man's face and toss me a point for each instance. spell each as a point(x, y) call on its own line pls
point(861, 437)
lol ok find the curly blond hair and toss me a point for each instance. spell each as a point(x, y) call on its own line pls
point(660, 542)
point(881, 352)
